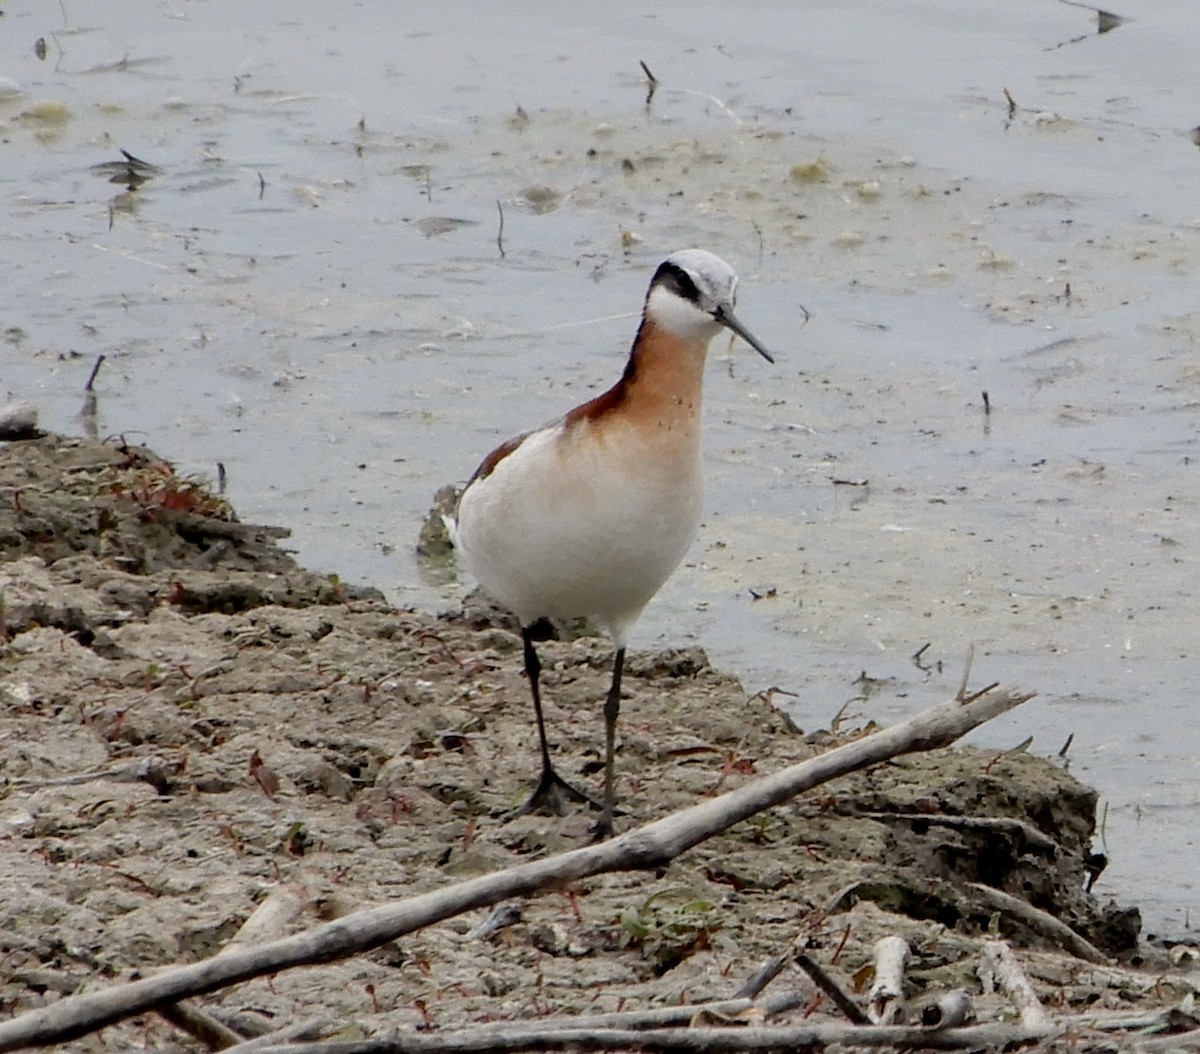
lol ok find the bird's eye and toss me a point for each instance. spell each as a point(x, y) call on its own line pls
point(678, 281)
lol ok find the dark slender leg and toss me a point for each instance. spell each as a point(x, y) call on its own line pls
point(533, 670)
point(612, 708)
point(552, 792)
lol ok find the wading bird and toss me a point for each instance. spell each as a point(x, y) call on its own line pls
point(588, 516)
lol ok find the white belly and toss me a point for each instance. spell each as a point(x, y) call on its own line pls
point(571, 528)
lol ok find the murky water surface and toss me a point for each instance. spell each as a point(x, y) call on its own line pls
point(313, 288)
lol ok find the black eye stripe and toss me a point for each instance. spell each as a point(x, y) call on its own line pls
point(677, 280)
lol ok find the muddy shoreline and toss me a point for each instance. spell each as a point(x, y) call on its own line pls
point(189, 721)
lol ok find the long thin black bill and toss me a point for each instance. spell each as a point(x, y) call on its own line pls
point(729, 320)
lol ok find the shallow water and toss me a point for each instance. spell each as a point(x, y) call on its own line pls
point(315, 292)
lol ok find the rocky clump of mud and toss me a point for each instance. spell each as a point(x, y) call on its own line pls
point(189, 721)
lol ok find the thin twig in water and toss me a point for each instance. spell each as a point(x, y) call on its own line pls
point(962, 685)
point(87, 412)
point(500, 231)
point(91, 381)
point(983, 692)
point(653, 81)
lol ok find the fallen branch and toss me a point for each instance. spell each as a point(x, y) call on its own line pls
point(1011, 980)
point(1042, 923)
point(885, 1003)
point(1003, 824)
point(785, 1038)
point(650, 846)
point(665, 1016)
point(1172, 1042)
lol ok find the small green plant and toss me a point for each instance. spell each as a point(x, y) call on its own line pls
point(669, 927)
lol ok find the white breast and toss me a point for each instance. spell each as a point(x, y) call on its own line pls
point(582, 524)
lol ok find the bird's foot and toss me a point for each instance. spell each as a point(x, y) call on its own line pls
point(554, 793)
point(602, 829)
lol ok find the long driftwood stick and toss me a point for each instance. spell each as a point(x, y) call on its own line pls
point(650, 846)
point(784, 1039)
point(720, 1010)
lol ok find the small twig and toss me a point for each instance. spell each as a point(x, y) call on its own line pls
point(841, 945)
point(262, 186)
point(1020, 748)
point(771, 969)
point(832, 989)
point(1105, 20)
point(763, 976)
point(500, 231)
point(87, 412)
point(653, 81)
point(981, 693)
point(91, 381)
point(966, 676)
point(1012, 103)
